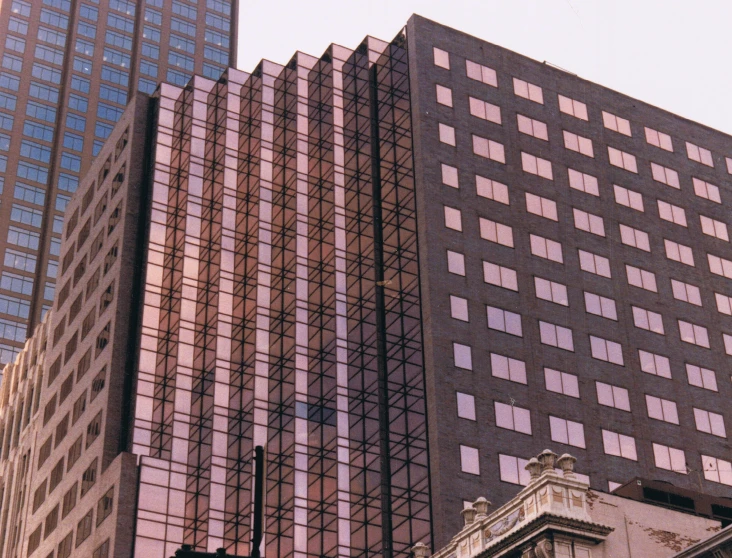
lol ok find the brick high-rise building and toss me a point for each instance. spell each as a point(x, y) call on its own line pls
point(403, 269)
point(68, 69)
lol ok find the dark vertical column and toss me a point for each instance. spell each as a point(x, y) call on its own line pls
point(381, 347)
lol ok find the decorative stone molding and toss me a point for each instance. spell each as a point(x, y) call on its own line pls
point(540, 522)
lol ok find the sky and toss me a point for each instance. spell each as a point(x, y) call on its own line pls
point(670, 53)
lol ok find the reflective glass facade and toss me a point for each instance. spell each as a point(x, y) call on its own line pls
point(68, 70)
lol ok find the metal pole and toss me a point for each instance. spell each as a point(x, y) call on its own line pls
point(258, 500)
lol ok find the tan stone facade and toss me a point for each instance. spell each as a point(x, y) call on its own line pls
point(559, 516)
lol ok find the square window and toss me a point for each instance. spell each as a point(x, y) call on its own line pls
point(444, 95)
point(484, 110)
point(666, 176)
point(459, 308)
point(619, 445)
point(536, 165)
point(671, 459)
point(654, 364)
point(616, 124)
point(453, 219)
point(465, 406)
point(489, 149)
point(528, 91)
point(496, 232)
point(495, 274)
point(628, 198)
point(450, 176)
point(514, 418)
point(572, 107)
point(455, 263)
point(567, 432)
point(541, 206)
point(491, 189)
point(659, 139)
point(513, 469)
point(481, 73)
point(463, 356)
point(508, 368)
point(561, 382)
point(583, 182)
point(469, 460)
point(551, 291)
point(662, 409)
point(546, 248)
point(447, 134)
point(531, 127)
point(441, 58)
point(622, 159)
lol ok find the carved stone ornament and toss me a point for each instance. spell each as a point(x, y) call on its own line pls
point(544, 549)
point(468, 515)
point(534, 468)
point(481, 505)
point(420, 550)
point(566, 463)
point(547, 458)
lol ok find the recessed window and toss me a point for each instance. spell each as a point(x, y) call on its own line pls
point(463, 356)
point(511, 417)
point(450, 176)
point(679, 253)
point(616, 124)
point(612, 396)
point(481, 73)
point(588, 222)
point(513, 469)
point(706, 190)
point(455, 263)
point(441, 58)
point(541, 206)
point(672, 213)
point(628, 198)
point(501, 276)
point(727, 344)
point(447, 134)
point(664, 175)
point(551, 291)
point(671, 459)
point(635, 238)
point(507, 368)
point(583, 182)
point(485, 110)
point(489, 149)
point(465, 406)
point(645, 319)
point(487, 188)
point(694, 334)
point(453, 219)
point(606, 350)
point(531, 127)
point(711, 423)
point(657, 365)
point(699, 154)
point(469, 460)
point(459, 308)
point(503, 320)
point(619, 445)
point(622, 159)
point(496, 232)
point(641, 278)
point(659, 139)
point(724, 304)
point(567, 432)
point(729, 165)
point(572, 107)
point(528, 91)
point(536, 165)
point(546, 248)
point(556, 336)
point(701, 377)
point(717, 470)
point(662, 409)
point(714, 228)
point(580, 144)
point(561, 382)
point(719, 266)
point(686, 292)
point(444, 95)
point(600, 306)
point(592, 263)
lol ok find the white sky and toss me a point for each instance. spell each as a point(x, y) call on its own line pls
point(670, 53)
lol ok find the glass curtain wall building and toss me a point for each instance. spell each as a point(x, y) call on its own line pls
point(68, 70)
point(403, 269)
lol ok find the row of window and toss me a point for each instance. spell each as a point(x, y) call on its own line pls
point(512, 417)
point(512, 469)
point(569, 106)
